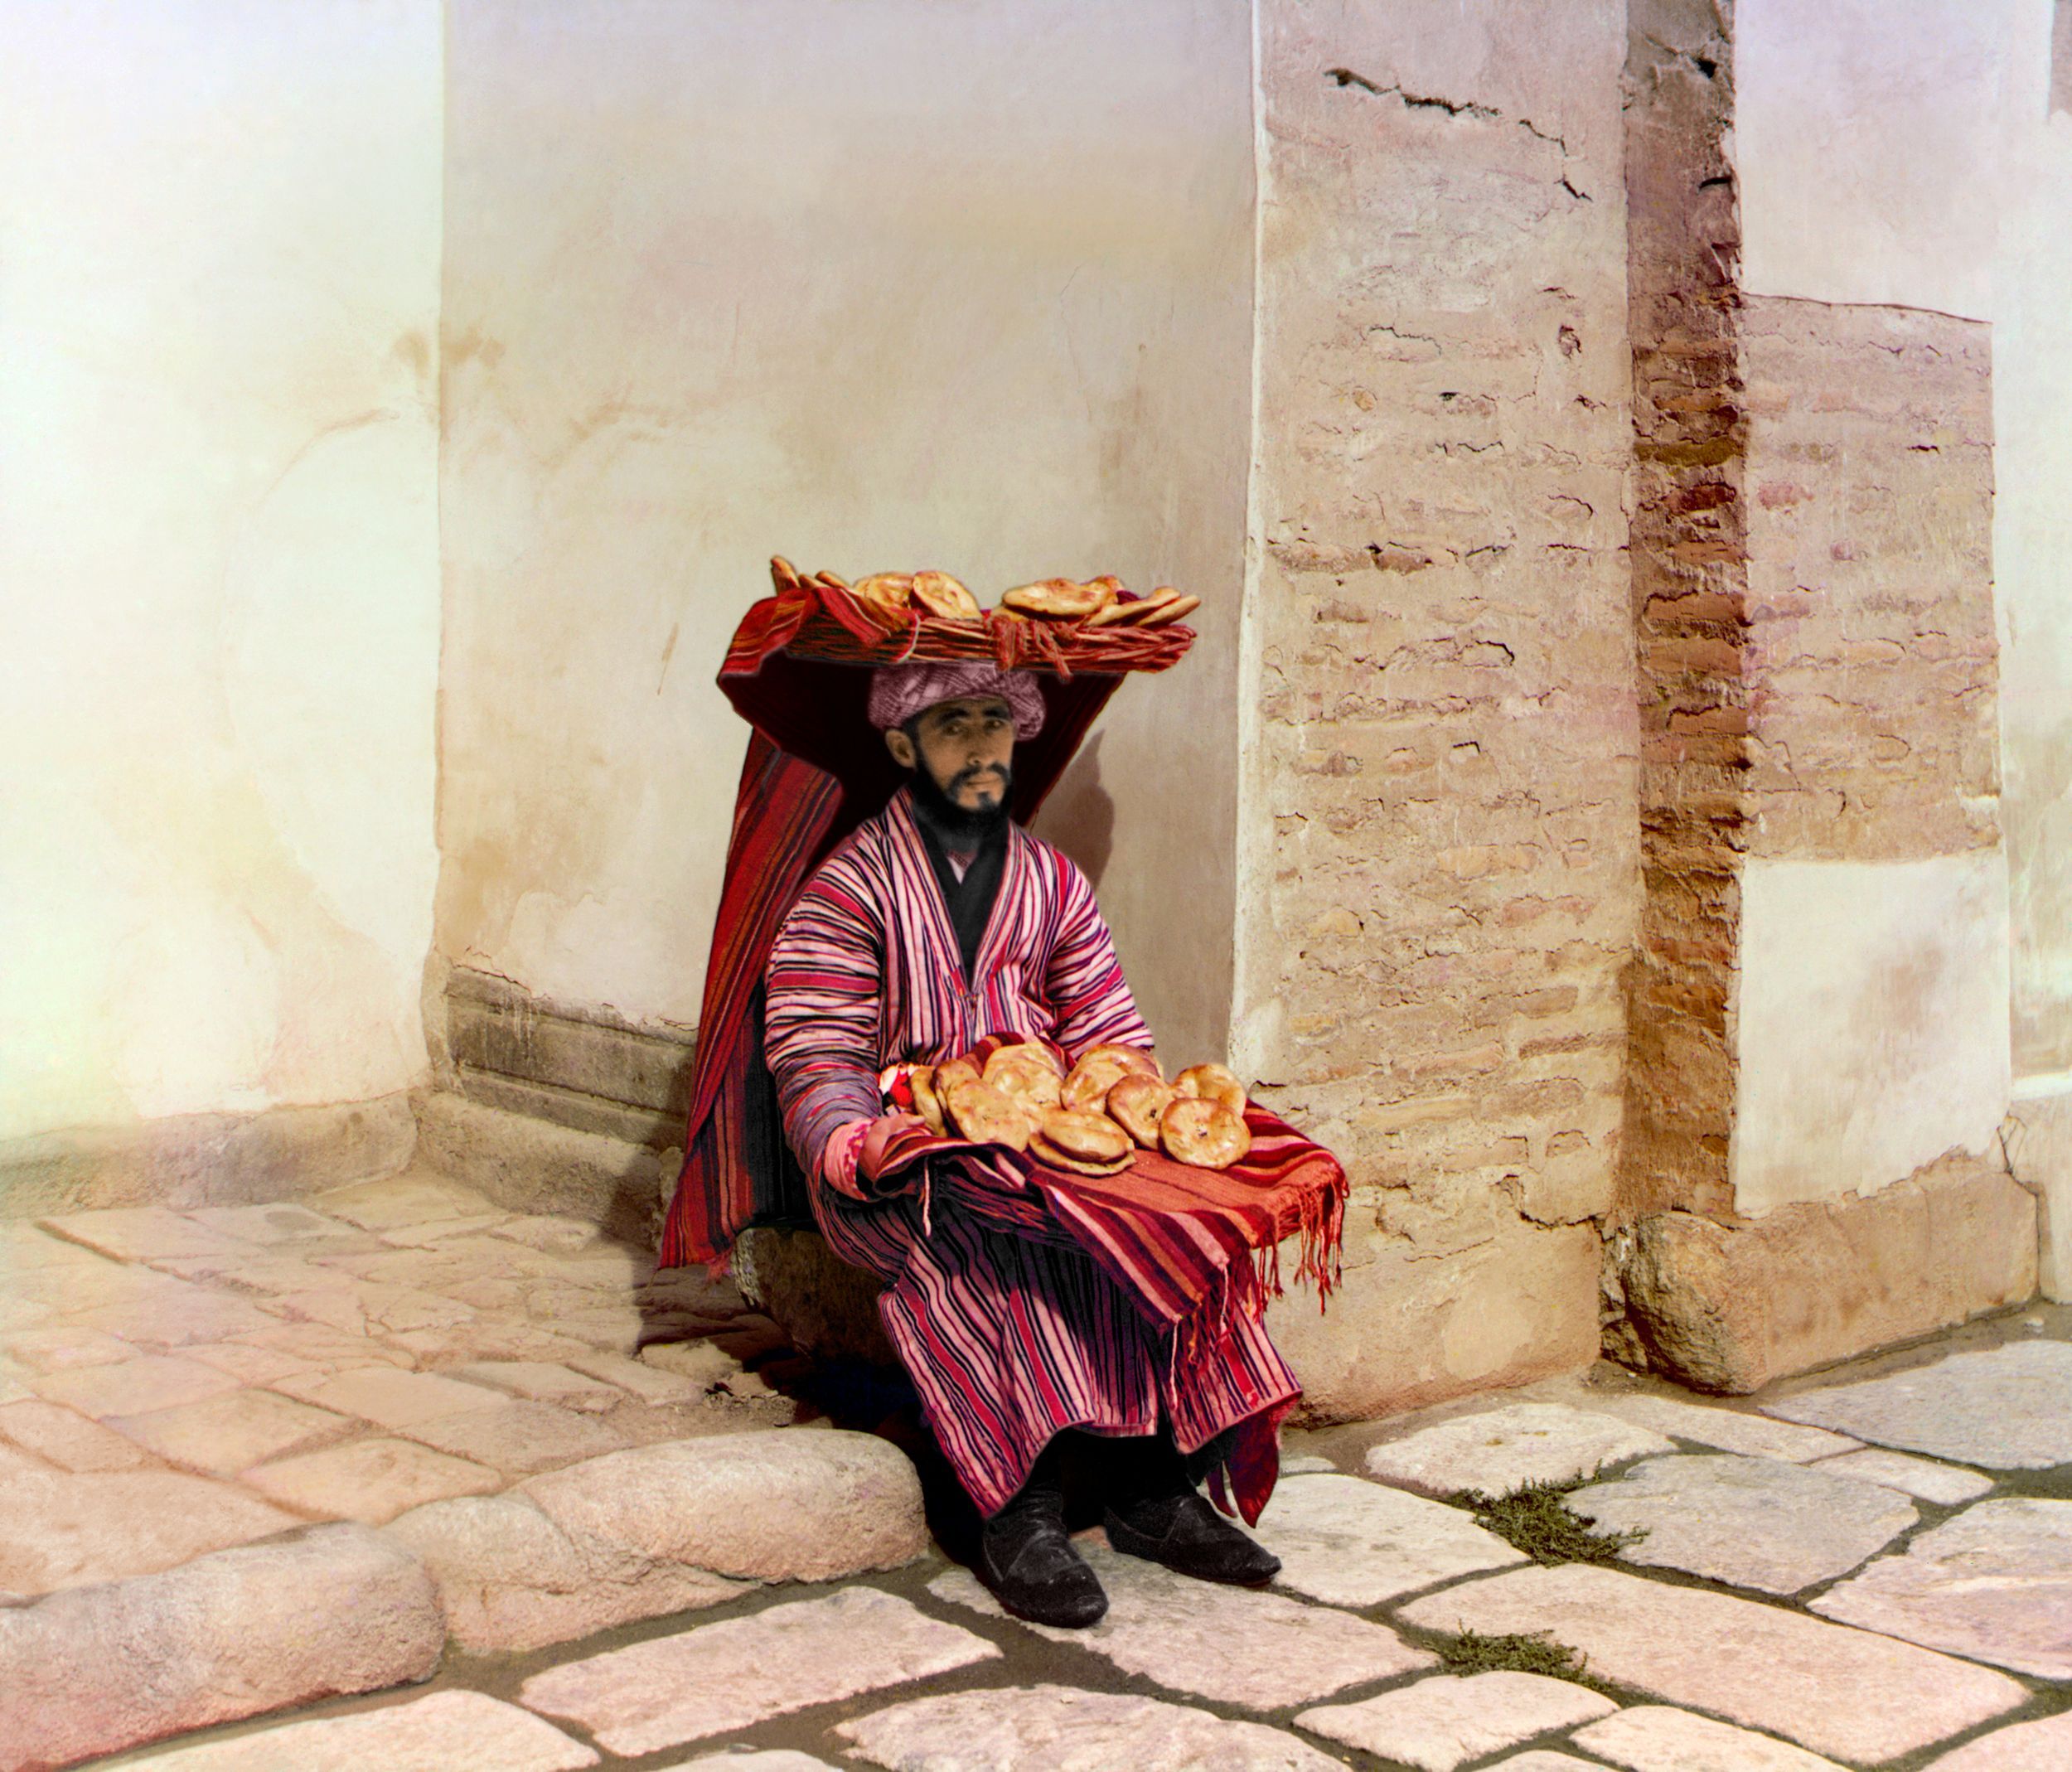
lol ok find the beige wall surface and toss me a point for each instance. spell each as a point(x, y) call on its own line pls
point(218, 575)
point(1911, 155)
point(875, 286)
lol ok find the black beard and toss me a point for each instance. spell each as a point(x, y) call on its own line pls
point(952, 825)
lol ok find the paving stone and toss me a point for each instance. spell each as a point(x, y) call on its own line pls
point(1742, 1431)
point(57, 1349)
point(1350, 1542)
point(483, 1338)
point(1308, 1464)
point(281, 1224)
point(2006, 1408)
point(449, 1732)
point(68, 1439)
point(1064, 1730)
point(2045, 1746)
point(1544, 1760)
point(320, 1346)
point(747, 1759)
point(231, 1634)
point(1436, 1725)
point(544, 1231)
point(1261, 1651)
point(1753, 1522)
point(172, 1318)
point(12, 1389)
point(248, 1365)
point(1658, 1738)
point(647, 1383)
point(371, 1481)
point(698, 1361)
point(399, 1401)
point(1498, 1450)
point(511, 1580)
point(613, 1329)
point(412, 1197)
point(20, 1312)
point(437, 1231)
point(732, 1675)
point(543, 1381)
point(224, 1435)
point(516, 1436)
point(1947, 1485)
point(66, 1529)
point(1994, 1584)
point(153, 1381)
point(1842, 1693)
point(139, 1233)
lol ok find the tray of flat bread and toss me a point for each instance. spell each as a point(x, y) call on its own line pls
point(1089, 1119)
point(1062, 624)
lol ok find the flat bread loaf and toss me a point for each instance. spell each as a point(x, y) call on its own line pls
point(1131, 1058)
point(1093, 1138)
point(941, 595)
point(1211, 1082)
point(1136, 1104)
point(1051, 1157)
point(888, 590)
point(1062, 599)
point(927, 1103)
point(1206, 1133)
point(1092, 1079)
point(986, 1117)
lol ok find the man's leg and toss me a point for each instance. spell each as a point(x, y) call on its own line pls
point(1155, 1512)
point(1027, 1558)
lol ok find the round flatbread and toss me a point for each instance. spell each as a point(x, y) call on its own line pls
point(1024, 1051)
point(1211, 1082)
point(986, 1117)
point(940, 595)
point(954, 1071)
point(1206, 1133)
point(1051, 1157)
point(1130, 1057)
point(1171, 610)
point(927, 1103)
point(1136, 1104)
point(888, 590)
point(1091, 1080)
point(1093, 1138)
point(1059, 598)
point(1029, 1084)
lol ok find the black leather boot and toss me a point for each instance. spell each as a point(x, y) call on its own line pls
point(1027, 1559)
point(1154, 1512)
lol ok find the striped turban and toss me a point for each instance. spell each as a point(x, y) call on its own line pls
point(898, 692)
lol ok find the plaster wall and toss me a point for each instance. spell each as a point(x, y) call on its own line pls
point(878, 285)
point(219, 573)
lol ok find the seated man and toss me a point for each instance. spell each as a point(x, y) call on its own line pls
point(937, 922)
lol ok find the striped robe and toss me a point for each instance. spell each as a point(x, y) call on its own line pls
point(1010, 1333)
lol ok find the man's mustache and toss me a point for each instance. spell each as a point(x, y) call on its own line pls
point(970, 774)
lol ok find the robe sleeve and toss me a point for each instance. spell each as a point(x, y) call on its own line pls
point(821, 1012)
point(1083, 982)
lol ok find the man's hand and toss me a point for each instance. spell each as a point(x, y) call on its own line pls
point(865, 1152)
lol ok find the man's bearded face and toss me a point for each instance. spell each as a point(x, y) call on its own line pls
point(966, 747)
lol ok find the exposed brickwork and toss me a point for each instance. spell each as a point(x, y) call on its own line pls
point(1871, 661)
point(1689, 604)
point(1446, 755)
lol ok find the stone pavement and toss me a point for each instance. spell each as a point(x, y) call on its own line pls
point(397, 1482)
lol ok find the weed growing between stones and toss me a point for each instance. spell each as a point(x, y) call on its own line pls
point(1514, 1651)
point(1538, 1520)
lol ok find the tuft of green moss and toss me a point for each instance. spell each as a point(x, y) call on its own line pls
point(1513, 1651)
point(1539, 1521)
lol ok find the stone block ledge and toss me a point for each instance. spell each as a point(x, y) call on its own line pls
point(1729, 1307)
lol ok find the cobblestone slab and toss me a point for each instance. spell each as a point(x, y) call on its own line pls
point(1994, 1584)
point(55, 1349)
point(2006, 1408)
point(1748, 1522)
point(247, 1364)
point(543, 1381)
point(398, 1401)
point(1350, 1542)
point(227, 1434)
point(281, 1222)
point(1062, 1730)
point(1437, 1725)
point(2042, 1746)
point(1502, 1449)
point(155, 1381)
point(1842, 1693)
point(1544, 1759)
point(68, 1439)
point(139, 1233)
point(65, 1530)
point(412, 1197)
point(516, 1436)
point(371, 1481)
point(1752, 1435)
point(773, 1760)
point(634, 1377)
point(716, 1677)
point(1947, 1485)
point(1657, 1738)
point(1307, 1464)
point(232, 1635)
point(1261, 1651)
point(449, 1732)
point(167, 1320)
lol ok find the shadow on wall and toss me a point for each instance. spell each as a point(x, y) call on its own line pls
point(1079, 816)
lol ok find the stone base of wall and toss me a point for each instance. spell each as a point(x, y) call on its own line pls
point(1729, 1308)
point(207, 1160)
point(1407, 1330)
point(533, 1165)
point(822, 1303)
point(2038, 1135)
